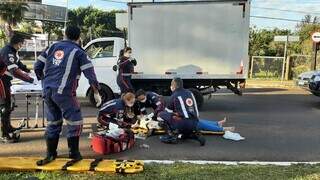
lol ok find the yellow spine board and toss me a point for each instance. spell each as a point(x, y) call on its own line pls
point(161, 131)
point(107, 166)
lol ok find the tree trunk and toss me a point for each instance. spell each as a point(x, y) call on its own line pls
point(8, 30)
point(49, 34)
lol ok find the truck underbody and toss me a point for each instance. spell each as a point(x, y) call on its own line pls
point(205, 86)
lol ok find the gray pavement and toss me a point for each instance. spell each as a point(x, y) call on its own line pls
point(278, 124)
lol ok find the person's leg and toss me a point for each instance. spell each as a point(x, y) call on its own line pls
point(127, 81)
point(205, 125)
point(191, 129)
point(168, 124)
point(72, 114)
point(54, 127)
point(120, 84)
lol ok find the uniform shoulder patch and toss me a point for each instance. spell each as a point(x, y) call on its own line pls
point(189, 102)
point(59, 54)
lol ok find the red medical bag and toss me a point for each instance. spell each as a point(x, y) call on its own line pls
point(103, 144)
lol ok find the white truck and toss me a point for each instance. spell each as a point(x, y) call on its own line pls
point(203, 42)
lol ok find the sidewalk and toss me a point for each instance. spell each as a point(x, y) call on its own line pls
point(262, 83)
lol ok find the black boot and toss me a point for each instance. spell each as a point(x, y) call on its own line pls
point(73, 144)
point(198, 137)
point(52, 145)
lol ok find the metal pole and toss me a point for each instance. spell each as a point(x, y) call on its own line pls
point(90, 33)
point(314, 61)
point(35, 48)
point(251, 70)
point(284, 58)
point(66, 16)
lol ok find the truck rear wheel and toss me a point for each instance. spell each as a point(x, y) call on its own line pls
point(198, 96)
point(105, 93)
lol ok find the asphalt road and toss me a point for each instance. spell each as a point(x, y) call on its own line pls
point(278, 124)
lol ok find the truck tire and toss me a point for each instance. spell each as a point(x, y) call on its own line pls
point(105, 92)
point(198, 96)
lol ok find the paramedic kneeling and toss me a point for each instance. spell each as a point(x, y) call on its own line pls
point(181, 115)
point(58, 68)
point(116, 111)
point(148, 99)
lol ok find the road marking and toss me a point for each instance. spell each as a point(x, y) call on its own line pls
point(200, 162)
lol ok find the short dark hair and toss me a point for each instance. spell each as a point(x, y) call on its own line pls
point(16, 38)
point(73, 33)
point(140, 92)
point(178, 81)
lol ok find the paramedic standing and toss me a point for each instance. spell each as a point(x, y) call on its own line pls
point(10, 66)
point(125, 69)
point(58, 68)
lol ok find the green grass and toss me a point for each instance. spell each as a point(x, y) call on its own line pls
point(187, 171)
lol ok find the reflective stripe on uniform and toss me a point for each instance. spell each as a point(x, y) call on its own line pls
point(42, 59)
point(86, 66)
point(8, 73)
point(55, 122)
point(107, 105)
point(195, 104)
point(74, 123)
point(183, 107)
point(169, 110)
point(67, 71)
point(12, 66)
point(142, 109)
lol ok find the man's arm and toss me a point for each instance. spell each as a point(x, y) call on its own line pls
point(88, 70)
point(13, 68)
point(170, 106)
point(39, 64)
point(23, 67)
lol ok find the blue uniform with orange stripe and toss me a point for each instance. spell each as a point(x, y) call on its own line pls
point(59, 68)
point(182, 112)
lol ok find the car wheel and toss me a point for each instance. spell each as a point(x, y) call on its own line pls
point(198, 96)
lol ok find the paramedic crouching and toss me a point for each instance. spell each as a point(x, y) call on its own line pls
point(181, 115)
point(58, 68)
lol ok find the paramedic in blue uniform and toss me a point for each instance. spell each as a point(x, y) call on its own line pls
point(10, 66)
point(148, 99)
point(181, 115)
point(58, 67)
point(116, 111)
point(125, 69)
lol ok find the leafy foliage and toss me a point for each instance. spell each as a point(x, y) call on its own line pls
point(94, 22)
point(12, 13)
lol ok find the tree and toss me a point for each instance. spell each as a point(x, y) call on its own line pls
point(53, 28)
point(11, 12)
point(94, 22)
point(27, 27)
point(2, 38)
